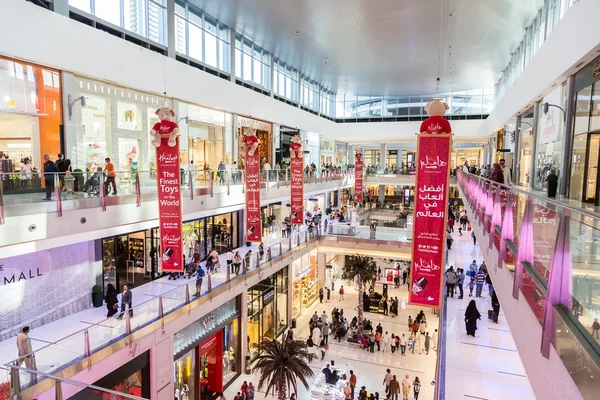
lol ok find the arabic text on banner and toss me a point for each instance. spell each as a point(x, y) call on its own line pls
point(253, 222)
point(169, 206)
point(358, 178)
point(297, 191)
point(431, 209)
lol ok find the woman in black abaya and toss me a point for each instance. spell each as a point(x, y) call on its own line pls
point(471, 317)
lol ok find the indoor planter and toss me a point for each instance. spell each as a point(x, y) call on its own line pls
point(97, 296)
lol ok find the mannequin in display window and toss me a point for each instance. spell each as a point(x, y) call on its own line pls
point(232, 359)
point(225, 360)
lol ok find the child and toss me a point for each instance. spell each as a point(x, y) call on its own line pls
point(411, 343)
point(410, 321)
point(471, 286)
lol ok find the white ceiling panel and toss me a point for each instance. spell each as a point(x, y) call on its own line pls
point(394, 47)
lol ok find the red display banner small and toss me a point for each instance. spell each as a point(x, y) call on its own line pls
point(358, 178)
point(169, 206)
point(297, 190)
point(253, 223)
point(429, 229)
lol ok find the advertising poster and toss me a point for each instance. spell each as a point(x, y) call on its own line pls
point(429, 226)
point(253, 222)
point(358, 178)
point(169, 206)
point(297, 190)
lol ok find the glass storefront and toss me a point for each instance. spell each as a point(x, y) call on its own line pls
point(472, 156)
point(584, 184)
point(327, 152)
point(272, 215)
point(132, 259)
point(264, 135)
point(267, 310)
point(550, 137)
point(312, 144)
point(31, 120)
point(203, 136)
point(114, 123)
point(206, 353)
point(525, 160)
point(341, 153)
point(305, 286)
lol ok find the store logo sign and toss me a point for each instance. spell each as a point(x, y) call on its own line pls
point(209, 322)
point(14, 278)
point(268, 296)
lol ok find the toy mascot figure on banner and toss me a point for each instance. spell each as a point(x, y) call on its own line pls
point(296, 148)
point(436, 123)
point(250, 142)
point(165, 127)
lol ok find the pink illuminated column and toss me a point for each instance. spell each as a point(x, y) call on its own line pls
point(507, 232)
point(525, 249)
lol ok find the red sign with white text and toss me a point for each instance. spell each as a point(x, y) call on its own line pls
point(429, 229)
point(169, 206)
point(297, 190)
point(253, 223)
point(358, 178)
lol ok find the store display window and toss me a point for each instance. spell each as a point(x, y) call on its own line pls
point(126, 260)
point(305, 288)
point(31, 115)
point(206, 353)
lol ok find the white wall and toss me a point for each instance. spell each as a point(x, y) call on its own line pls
point(56, 41)
point(573, 40)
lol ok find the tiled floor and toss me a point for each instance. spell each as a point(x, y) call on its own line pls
point(369, 368)
point(488, 366)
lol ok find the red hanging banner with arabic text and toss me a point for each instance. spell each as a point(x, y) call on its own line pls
point(431, 208)
point(253, 221)
point(358, 178)
point(297, 183)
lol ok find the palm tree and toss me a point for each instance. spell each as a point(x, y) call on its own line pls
point(280, 364)
point(364, 269)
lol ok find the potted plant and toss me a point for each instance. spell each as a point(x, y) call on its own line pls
point(78, 174)
point(97, 296)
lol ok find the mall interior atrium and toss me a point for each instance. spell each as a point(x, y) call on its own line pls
point(299, 199)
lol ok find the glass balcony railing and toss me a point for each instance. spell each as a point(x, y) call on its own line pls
point(56, 356)
point(60, 388)
point(552, 251)
point(95, 189)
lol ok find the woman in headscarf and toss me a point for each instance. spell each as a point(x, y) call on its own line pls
point(112, 302)
point(497, 175)
point(471, 317)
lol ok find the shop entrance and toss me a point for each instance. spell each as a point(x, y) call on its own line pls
point(126, 259)
point(211, 366)
point(592, 159)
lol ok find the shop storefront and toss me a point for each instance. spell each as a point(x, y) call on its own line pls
point(472, 156)
point(132, 259)
point(315, 203)
point(114, 123)
point(341, 153)
point(585, 182)
point(312, 144)
point(263, 133)
point(549, 137)
point(203, 136)
point(272, 215)
point(327, 152)
point(31, 119)
point(133, 378)
point(525, 160)
point(305, 287)
point(267, 310)
point(283, 143)
point(206, 354)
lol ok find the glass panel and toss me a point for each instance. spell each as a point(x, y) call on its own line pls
point(582, 110)
point(595, 118)
point(577, 168)
point(83, 5)
point(195, 46)
point(210, 52)
point(109, 10)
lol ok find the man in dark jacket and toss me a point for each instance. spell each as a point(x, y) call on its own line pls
point(49, 170)
point(126, 299)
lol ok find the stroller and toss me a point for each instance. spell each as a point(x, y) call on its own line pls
point(92, 185)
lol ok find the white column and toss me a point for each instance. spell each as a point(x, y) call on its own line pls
point(70, 126)
point(232, 65)
point(350, 155)
point(289, 296)
point(321, 269)
point(244, 327)
point(171, 28)
point(276, 143)
point(382, 152)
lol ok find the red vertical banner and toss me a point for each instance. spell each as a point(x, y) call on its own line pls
point(169, 206)
point(358, 178)
point(429, 227)
point(253, 221)
point(297, 183)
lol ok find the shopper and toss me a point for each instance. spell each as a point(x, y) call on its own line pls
point(495, 307)
point(250, 391)
point(451, 280)
point(506, 174)
point(471, 317)
point(49, 172)
point(126, 300)
point(427, 342)
point(347, 389)
point(342, 293)
point(261, 250)
point(112, 303)
point(434, 339)
point(229, 260)
point(595, 327)
point(237, 262)
point(199, 277)
point(416, 387)
point(352, 380)
point(406, 384)
point(460, 281)
point(479, 280)
point(474, 238)
point(387, 378)
point(25, 350)
point(403, 342)
point(394, 388)
point(325, 332)
point(109, 170)
point(248, 261)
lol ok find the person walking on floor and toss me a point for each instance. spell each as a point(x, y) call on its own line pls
point(460, 281)
point(495, 307)
point(229, 260)
point(416, 387)
point(237, 262)
point(474, 238)
point(403, 344)
point(342, 293)
point(112, 303)
point(49, 171)
point(471, 317)
point(479, 280)
point(325, 333)
point(109, 170)
point(394, 388)
point(451, 280)
point(352, 380)
point(427, 340)
point(25, 349)
point(199, 277)
point(387, 378)
point(595, 327)
point(126, 301)
point(406, 384)
point(434, 339)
